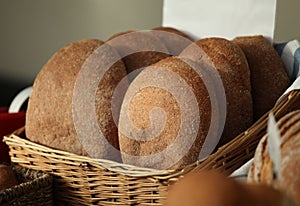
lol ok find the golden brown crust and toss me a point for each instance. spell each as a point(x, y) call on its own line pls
point(228, 59)
point(268, 76)
point(261, 169)
point(49, 118)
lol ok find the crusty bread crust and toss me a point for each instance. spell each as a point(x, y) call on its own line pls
point(49, 118)
point(269, 78)
point(141, 40)
point(141, 103)
point(289, 177)
point(174, 43)
point(230, 62)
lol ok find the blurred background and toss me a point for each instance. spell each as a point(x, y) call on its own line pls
point(32, 31)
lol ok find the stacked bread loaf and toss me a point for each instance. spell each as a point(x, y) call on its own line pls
point(230, 62)
point(166, 102)
point(138, 49)
point(268, 76)
point(51, 115)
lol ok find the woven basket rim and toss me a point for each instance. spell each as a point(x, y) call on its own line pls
point(121, 168)
point(83, 180)
point(40, 180)
point(135, 171)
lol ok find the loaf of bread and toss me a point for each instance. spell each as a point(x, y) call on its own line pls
point(7, 177)
point(175, 31)
point(175, 40)
point(221, 55)
point(269, 78)
point(138, 49)
point(160, 114)
point(51, 116)
point(230, 62)
point(261, 171)
point(211, 188)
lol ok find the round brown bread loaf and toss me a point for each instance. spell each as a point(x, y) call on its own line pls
point(50, 118)
point(165, 116)
point(211, 188)
point(230, 62)
point(119, 34)
point(261, 171)
point(175, 31)
point(7, 177)
point(174, 43)
point(138, 49)
point(269, 78)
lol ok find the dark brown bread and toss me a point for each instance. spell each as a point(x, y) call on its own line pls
point(261, 171)
point(230, 62)
point(50, 115)
point(175, 31)
point(140, 100)
point(120, 34)
point(141, 42)
point(174, 43)
point(7, 177)
point(269, 78)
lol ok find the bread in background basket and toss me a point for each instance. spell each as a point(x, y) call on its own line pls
point(269, 77)
point(128, 47)
point(285, 175)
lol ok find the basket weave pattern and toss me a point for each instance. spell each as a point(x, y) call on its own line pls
point(35, 189)
point(81, 180)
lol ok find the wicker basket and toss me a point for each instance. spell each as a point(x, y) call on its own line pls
point(81, 180)
point(35, 188)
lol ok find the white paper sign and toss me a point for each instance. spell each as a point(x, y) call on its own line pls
point(218, 18)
